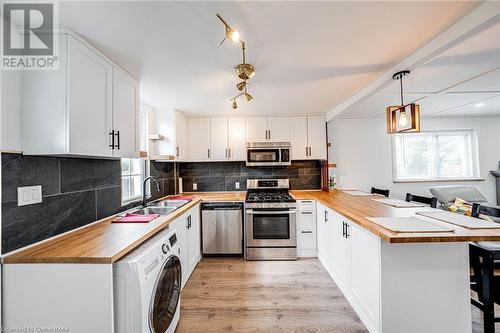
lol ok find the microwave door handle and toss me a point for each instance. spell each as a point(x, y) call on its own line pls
point(253, 212)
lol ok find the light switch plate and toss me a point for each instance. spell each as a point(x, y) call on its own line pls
point(195, 187)
point(237, 185)
point(29, 195)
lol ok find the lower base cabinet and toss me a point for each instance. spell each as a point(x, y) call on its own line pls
point(187, 227)
point(306, 229)
point(394, 288)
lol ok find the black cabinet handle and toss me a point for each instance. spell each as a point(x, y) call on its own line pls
point(326, 216)
point(307, 232)
point(118, 139)
point(112, 133)
point(177, 151)
point(347, 234)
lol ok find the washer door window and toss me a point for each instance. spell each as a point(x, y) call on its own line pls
point(166, 295)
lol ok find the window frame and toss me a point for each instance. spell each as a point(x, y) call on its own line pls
point(144, 174)
point(472, 156)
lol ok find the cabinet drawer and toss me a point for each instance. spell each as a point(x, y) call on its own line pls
point(306, 220)
point(306, 204)
point(307, 239)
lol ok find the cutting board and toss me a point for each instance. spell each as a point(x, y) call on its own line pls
point(410, 224)
point(357, 193)
point(460, 220)
point(399, 203)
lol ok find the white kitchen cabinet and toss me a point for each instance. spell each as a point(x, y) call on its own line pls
point(125, 114)
point(194, 237)
point(70, 111)
point(263, 129)
point(324, 231)
point(181, 136)
point(199, 139)
point(298, 138)
point(187, 228)
point(308, 137)
point(172, 127)
point(256, 129)
point(236, 139)
point(279, 129)
point(316, 134)
point(218, 139)
point(306, 228)
point(340, 259)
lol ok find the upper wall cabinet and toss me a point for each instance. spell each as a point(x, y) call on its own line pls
point(308, 137)
point(89, 107)
point(217, 139)
point(227, 139)
point(171, 127)
point(268, 129)
point(125, 115)
point(199, 139)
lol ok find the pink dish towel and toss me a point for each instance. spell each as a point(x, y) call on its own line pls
point(136, 218)
point(180, 197)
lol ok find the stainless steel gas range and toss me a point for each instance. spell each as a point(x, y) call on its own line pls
point(270, 220)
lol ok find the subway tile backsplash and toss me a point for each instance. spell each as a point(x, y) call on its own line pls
point(222, 176)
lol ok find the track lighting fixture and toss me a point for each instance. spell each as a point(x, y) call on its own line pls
point(241, 85)
point(244, 71)
point(231, 34)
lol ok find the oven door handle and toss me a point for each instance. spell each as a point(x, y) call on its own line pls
point(253, 212)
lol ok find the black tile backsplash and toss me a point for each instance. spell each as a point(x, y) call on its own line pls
point(75, 192)
point(222, 176)
point(167, 173)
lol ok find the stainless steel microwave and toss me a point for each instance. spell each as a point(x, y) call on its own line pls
point(268, 153)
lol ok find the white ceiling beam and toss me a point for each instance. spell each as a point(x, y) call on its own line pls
point(483, 16)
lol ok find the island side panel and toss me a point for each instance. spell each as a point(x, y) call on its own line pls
point(77, 297)
point(425, 288)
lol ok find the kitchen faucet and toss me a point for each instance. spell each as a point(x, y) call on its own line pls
point(144, 197)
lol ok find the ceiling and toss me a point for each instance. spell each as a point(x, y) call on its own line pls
point(309, 56)
point(462, 81)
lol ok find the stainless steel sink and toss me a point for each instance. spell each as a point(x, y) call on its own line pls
point(169, 203)
point(155, 210)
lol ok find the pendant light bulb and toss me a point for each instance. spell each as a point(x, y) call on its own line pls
point(403, 119)
point(234, 105)
point(241, 85)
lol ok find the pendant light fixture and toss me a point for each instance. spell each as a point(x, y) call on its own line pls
point(402, 118)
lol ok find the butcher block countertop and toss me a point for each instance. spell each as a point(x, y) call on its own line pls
point(358, 208)
point(105, 242)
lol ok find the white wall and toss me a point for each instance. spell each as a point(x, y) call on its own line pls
point(10, 104)
point(363, 153)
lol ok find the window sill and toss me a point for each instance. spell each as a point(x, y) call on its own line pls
point(440, 180)
point(131, 201)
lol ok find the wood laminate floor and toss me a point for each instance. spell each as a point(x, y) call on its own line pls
point(234, 295)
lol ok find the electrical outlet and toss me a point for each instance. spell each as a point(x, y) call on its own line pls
point(237, 185)
point(29, 195)
point(195, 186)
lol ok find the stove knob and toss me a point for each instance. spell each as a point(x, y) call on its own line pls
point(165, 248)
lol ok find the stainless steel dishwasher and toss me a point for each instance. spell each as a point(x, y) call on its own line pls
point(222, 228)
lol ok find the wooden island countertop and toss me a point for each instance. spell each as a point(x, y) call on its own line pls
point(358, 208)
point(104, 242)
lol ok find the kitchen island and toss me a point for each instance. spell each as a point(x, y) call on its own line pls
point(395, 282)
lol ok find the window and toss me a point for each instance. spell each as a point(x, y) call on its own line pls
point(132, 178)
point(445, 155)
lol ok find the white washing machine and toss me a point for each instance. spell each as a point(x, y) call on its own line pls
point(147, 286)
